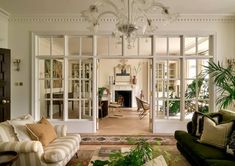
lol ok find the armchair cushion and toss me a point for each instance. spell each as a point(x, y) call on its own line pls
point(42, 131)
point(60, 147)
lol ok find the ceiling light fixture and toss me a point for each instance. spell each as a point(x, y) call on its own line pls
point(133, 16)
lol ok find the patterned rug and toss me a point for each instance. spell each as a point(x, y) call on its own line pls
point(125, 139)
point(169, 152)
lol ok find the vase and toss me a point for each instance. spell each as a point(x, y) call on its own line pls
point(134, 80)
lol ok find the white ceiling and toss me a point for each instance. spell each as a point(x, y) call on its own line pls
point(32, 7)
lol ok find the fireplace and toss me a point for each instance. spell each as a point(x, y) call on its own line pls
point(127, 95)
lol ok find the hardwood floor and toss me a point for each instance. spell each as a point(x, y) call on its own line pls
point(124, 121)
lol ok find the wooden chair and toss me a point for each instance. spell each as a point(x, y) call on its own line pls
point(143, 107)
point(118, 104)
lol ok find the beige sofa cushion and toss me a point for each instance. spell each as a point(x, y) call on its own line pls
point(7, 132)
point(61, 147)
point(42, 131)
point(19, 127)
point(215, 135)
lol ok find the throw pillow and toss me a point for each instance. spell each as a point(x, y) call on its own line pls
point(197, 121)
point(42, 131)
point(19, 127)
point(215, 135)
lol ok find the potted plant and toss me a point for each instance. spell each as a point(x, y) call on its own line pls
point(137, 156)
point(224, 79)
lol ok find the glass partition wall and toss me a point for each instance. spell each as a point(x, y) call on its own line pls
point(180, 86)
point(65, 73)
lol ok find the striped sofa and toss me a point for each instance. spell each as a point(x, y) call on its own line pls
point(57, 153)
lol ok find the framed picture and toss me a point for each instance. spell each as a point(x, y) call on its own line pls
point(56, 73)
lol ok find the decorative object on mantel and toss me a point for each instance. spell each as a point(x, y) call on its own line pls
point(133, 17)
point(137, 69)
point(122, 72)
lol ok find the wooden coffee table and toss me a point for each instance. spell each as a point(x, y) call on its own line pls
point(7, 158)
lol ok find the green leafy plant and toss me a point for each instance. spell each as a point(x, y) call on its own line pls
point(137, 156)
point(224, 79)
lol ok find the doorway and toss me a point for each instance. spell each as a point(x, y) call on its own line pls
point(117, 82)
point(5, 84)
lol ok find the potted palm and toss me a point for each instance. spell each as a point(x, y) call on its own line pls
point(224, 79)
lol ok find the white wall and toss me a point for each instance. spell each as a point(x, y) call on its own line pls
point(3, 29)
point(20, 29)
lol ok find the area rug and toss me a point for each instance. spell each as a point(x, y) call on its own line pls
point(169, 152)
point(125, 139)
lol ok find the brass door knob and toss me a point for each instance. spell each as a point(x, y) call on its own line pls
point(4, 101)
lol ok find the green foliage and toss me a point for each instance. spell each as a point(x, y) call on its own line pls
point(101, 92)
point(224, 79)
point(137, 156)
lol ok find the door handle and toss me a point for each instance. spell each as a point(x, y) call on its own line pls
point(4, 101)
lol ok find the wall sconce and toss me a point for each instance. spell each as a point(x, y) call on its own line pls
point(16, 62)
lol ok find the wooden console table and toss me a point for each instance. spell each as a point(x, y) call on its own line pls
point(58, 102)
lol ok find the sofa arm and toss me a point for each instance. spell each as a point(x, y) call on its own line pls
point(22, 147)
point(61, 130)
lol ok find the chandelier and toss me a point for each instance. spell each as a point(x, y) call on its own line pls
point(133, 16)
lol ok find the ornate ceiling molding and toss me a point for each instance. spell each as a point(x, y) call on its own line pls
point(78, 19)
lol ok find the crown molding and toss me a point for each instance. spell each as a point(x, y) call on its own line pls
point(78, 19)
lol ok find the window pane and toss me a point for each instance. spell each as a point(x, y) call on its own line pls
point(174, 108)
point(160, 107)
point(161, 46)
point(174, 46)
point(190, 46)
point(86, 46)
point(44, 46)
point(102, 45)
point(57, 111)
point(58, 46)
point(203, 46)
point(191, 68)
point(44, 68)
point(44, 91)
point(74, 45)
point(44, 108)
point(73, 110)
point(145, 45)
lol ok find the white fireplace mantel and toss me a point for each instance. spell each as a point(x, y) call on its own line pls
point(123, 87)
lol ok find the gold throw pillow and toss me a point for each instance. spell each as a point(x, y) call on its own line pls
point(42, 131)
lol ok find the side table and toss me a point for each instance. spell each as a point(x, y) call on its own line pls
point(7, 158)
